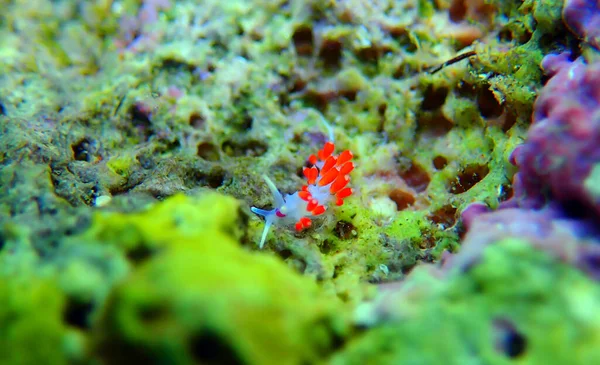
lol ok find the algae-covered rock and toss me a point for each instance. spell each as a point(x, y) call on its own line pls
point(210, 216)
point(31, 325)
point(516, 304)
point(198, 297)
point(110, 109)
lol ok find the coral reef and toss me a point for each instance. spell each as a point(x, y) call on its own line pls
point(583, 18)
point(559, 159)
point(135, 134)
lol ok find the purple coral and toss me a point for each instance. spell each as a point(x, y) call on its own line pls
point(583, 18)
point(548, 229)
point(563, 145)
point(556, 202)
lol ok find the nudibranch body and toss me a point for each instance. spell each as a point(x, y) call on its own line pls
point(326, 183)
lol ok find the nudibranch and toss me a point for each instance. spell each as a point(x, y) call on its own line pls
point(327, 180)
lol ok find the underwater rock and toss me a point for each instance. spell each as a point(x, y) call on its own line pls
point(111, 108)
point(197, 297)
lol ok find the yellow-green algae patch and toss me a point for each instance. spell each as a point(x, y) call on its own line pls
point(196, 296)
point(515, 304)
point(30, 320)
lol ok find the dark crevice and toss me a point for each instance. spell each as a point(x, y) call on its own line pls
point(344, 230)
point(404, 70)
point(467, 178)
point(152, 312)
point(285, 254)
point(434, 98)
point(249, 148)
point(435, 124)
point(331, 53)
point(445, 216)
point(303, 40)
point(213, 178)
point(466, 90)
point(208, 151)
point(208, 348)
point(317, 99)
point(326, 247)
point(489, 106)
point(216, 177)
point(197, 121)
point(337, 270)
point(140, 114)
point(510, 120)
point(140, 253)
point(77, 313)
point(171, 64)
point(506, 192)
point(370, 54)
point(402, 35)
point(297, 84)
point(85, 149)
point(509, 340)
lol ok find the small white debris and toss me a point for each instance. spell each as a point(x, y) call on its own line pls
point(102, 200)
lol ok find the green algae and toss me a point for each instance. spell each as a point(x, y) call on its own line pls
point(30, 317)
point(121, 165)
point(184, 302)
point(144, 275)
point(195, 289)
point(514, 304)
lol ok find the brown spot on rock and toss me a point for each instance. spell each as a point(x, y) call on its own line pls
point(402, 198)
point(468, 178)
point(331, 53)
point(435, 124)
point(344, 230)
point(439, 162)
point(415, 176)
point(434, 98)
point(445, 216)
point(303, 40)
